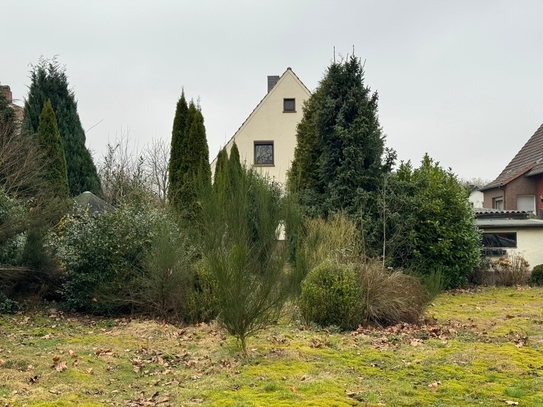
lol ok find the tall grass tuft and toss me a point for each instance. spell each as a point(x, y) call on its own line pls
point(390, 297)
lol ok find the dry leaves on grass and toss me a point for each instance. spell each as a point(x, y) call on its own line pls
point(154, 400)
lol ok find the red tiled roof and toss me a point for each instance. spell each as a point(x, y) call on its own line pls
point(528, 162)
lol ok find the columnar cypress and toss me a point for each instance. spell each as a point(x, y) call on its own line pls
point(49, 139)
point(195, 161)
point(220, 176)
point(176, 152)
point(49, 82)
point(189, 159)
point(234, 163)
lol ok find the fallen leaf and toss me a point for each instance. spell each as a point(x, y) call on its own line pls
point(56, 358)
point(61, 366)
point(33, 380)
point(292, 389)
point(511, 403)
point(72, 353)
point(102, 352)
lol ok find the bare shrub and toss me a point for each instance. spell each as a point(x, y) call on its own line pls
point(511, 270)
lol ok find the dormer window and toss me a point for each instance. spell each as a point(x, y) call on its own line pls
point(289, 105)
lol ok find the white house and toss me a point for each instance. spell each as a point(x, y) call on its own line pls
point(267, 138)
point(511, 232)
point(476, 197)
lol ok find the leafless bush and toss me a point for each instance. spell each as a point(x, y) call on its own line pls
point(157, 158)
point(510, 271)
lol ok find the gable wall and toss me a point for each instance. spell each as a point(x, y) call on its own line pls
point(268, 123)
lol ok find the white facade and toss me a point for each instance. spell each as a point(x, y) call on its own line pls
point(529, 246)
point(266, 140)
point(476, 198)
point(529, 241)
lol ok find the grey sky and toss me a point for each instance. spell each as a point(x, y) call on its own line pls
point(461, 80)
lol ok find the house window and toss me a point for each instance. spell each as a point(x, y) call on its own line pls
point(526, 203)
point(263, 152)
point(497, 203)
point(495, 240)
point(289, 105)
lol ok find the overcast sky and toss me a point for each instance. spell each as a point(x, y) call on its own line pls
point(460, 80)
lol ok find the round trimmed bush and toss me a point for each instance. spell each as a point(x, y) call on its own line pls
point(331, 296)
point(537, 275)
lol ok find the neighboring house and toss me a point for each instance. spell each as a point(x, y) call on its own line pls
point(476, 197)
point(267, 138)
point(19, 111)
point(520, 184)
point(511, 233)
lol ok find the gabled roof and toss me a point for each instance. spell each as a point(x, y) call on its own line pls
point(93, 203)
point(258, 106)
point(527, 162)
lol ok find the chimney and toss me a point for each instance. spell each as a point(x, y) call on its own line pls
point(6, 90)
point(272, 80)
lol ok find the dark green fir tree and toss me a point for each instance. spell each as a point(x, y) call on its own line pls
point(50, 82)
point(340, 144)
point(49, 139)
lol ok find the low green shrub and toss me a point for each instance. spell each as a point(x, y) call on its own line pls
point(103, 258)
point(201, 303)
point(7, 305)
point(164, 285)
point(331, 296)
point(537, 275)
point(361, 294)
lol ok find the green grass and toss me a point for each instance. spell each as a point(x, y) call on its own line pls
point(481, 347)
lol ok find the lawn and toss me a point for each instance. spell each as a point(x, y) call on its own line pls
point(476, 347)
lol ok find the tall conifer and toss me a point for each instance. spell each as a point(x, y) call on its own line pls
point(49, 139)
point(176, 152)
point(340, 143)
point(49, 81)
point(189, 159)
